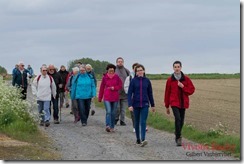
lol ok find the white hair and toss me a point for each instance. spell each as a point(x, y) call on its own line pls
point(89, 65)
point(21, 63)
point(76, 69)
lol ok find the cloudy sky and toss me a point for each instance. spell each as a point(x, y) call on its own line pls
point(203, 34)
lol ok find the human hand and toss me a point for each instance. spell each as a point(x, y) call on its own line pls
point(131, 108)
point(180, 84)
point(167, 111)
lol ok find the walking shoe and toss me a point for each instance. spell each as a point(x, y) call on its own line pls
point(138, 142)
point(134, 130)
point(92, 112)
point(112, 130)
point(143, 143)
point(146, 129)
point(122, 123)
point(47, 123)
point(107, 129)
point(67, 105)
point(179, 141)
point(42, 123)
point(56, 122)
point(84, 124)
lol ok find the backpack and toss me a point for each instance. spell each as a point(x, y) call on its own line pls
point(51, 80)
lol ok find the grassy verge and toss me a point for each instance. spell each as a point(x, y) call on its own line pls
point(213, 138)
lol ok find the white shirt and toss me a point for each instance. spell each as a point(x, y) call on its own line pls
point(43, 89)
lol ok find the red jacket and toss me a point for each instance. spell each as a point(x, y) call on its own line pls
point(105, 91)
point(176, 96)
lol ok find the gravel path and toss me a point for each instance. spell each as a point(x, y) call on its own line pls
point(92, 142)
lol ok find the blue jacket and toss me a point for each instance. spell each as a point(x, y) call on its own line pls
point(140, 93)
point(20, 79)
point(83, 87)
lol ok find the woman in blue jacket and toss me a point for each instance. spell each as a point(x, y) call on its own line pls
point(83, 90)
point(140, 97)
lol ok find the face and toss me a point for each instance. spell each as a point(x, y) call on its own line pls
point(82, 70)
point(63, 68)
point(44, 71)
point(51, 69)
point(21, 66)
point(88, 68)
point(177, 68)
point(120, 62)
point(111, 71)
point(140, 72)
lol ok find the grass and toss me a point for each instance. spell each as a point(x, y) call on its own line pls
point(160, 122)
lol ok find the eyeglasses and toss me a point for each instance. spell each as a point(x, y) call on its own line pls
point(22, 65)
point(140, 70)
point(51, 69)
point(82, 70)
point(44, 70)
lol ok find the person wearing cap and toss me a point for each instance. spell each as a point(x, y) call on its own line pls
point(20, 79)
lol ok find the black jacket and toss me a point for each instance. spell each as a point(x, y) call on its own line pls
point(64, 75)
point(58, 80)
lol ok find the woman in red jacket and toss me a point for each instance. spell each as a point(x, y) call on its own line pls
point(178, 89)
point(109, 92)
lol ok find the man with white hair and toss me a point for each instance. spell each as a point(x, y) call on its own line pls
point(44, 88)
point(20, 79)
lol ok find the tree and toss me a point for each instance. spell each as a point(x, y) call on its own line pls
point(3, 71)
point(98, 66)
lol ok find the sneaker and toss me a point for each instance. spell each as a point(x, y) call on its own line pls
point(143, 143)
point(71, 112)
point(138, 142)
point(56, 122)
point(67, 105)
point(47, 123)
point(134, 130)
point(42, 123)
point(84, 124)
point(122, 123)
point(92, 112)
point(179, 142)
point(112, 130)
point(107, 129)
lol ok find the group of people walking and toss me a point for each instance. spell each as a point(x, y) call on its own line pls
point(119, 90)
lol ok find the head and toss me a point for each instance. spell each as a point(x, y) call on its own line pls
point(88, 67)
point(75, 70)
point(17, 66)
point(51, 69)
point(21, 65)
point(134, 66)
point(140, 70)
point(62, 68)
point(177, 67)
point(120, 61)
point(111, 68)
point(82, 69)
point(79, 64)
point(43, 70)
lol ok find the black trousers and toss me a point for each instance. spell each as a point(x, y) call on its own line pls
point(179, 114)
point(24, 92)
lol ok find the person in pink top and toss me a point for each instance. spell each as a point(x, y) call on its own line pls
point(109, 93)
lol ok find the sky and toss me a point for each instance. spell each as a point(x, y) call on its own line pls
point(203, 34)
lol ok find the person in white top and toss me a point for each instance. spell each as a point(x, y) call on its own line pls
point(43, 88)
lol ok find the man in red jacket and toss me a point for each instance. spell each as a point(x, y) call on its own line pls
point(177, 91)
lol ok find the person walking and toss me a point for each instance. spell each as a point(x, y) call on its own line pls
point(109, 93)
point(31, 74)
point(90, 71)
point(44, 88)
point(140, 97)
point(126, 87)
point(177, 91)
point(63, 94)
point(123, 73)
point(20, 79)
point(58, 82)
point(83, 90)
point(74, 105)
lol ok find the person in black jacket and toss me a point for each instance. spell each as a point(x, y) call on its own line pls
point(20, 78)
point(63, 94)
point(58, 82)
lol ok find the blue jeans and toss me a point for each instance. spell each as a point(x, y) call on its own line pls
point(43, 109)
point(55, 108)
point(140, 115)
point(111, 109)
point(84, 106)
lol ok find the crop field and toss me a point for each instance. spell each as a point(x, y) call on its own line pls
point(215, 101)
